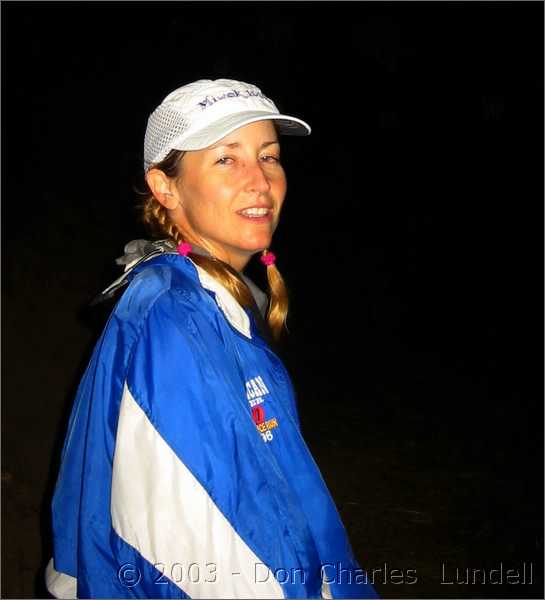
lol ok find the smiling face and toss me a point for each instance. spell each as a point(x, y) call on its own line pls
point(229, 196)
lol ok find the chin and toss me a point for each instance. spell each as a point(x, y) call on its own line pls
point(258, 245)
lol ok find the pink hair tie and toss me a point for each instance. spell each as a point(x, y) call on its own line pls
point(184, 248)
point(268, 259)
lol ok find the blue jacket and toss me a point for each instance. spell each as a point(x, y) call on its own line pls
point(184, 472)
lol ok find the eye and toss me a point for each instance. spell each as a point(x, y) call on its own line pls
point(270, 158)
point(224, 160)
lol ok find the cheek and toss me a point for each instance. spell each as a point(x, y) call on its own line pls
point(202, 201)
point(280, 187)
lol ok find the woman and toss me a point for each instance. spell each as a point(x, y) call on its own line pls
point(184, 473)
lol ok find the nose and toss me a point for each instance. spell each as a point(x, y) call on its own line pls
point(257, 178)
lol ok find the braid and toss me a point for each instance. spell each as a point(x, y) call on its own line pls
point(156, 217)
point(278, 307)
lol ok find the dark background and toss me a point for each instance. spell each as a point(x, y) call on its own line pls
point(411, 243)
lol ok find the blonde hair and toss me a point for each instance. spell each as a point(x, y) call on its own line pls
point(156, 217)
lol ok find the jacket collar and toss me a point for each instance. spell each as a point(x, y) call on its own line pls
point(233, 311)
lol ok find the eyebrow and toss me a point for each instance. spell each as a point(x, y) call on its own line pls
point(237, 144)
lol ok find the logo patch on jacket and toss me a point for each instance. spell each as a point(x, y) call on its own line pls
point(256, 390)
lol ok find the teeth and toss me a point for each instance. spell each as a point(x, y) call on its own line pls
point(255, 212)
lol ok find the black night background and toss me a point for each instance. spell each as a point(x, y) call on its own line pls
point(411, 242)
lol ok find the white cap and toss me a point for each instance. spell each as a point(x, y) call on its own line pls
point(199, 114)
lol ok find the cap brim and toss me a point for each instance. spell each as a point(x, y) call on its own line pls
point(214, 133)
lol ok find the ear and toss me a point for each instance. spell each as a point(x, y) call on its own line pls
point(163, 188)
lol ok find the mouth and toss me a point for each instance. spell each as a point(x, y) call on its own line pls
point(257, 214)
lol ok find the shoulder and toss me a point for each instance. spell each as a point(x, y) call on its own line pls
point(157, 282)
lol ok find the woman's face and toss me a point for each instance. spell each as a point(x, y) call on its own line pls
point(230, 195)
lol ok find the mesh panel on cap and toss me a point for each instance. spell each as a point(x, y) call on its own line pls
point(164, 126)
